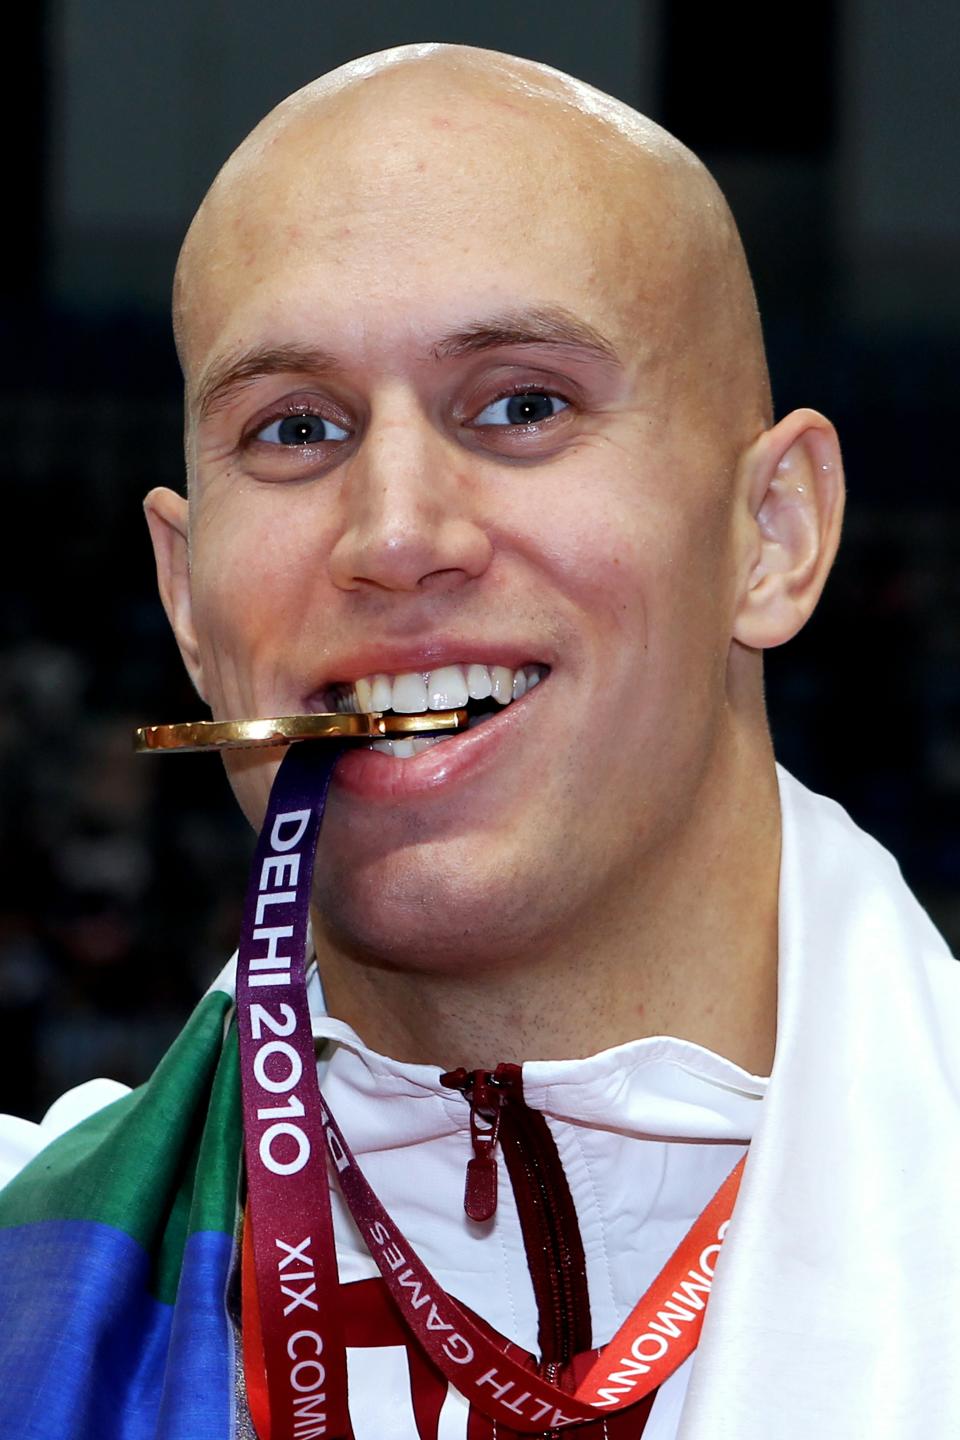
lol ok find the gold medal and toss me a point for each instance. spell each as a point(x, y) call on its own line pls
point(284, 729)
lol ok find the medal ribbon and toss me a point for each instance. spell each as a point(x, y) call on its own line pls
point(303, 1367)
point(289, 1132)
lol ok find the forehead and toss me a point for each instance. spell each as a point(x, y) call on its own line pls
point(389, 226)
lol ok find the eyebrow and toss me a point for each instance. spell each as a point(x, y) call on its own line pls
point(553, 327)
point(224, 379)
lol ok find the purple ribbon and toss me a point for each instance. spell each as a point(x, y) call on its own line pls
point(283, 1116)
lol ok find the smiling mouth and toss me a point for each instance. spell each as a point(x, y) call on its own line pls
point(483, 690)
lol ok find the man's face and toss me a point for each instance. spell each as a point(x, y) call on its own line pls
point(507, 464)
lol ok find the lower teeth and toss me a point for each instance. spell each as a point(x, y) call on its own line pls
point(406, 747)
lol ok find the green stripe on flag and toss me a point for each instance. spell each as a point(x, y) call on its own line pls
point(158, 1164)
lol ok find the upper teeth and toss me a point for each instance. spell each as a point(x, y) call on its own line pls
point(448, 688)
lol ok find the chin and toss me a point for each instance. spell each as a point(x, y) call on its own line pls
point(420, 913)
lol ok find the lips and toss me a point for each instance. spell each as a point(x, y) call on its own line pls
point(488, 691)
point(483, 689)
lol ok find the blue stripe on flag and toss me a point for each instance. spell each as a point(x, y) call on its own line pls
point(87, 1353)
point(198, 1396)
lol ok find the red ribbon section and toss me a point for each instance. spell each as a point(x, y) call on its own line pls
point(660, 1333)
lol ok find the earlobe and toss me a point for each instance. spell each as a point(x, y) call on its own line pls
point(166, 513)
point(792, 490)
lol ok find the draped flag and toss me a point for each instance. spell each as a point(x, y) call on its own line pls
point(115, 1248)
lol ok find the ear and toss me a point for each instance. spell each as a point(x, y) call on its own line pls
point(792, 484)
point(166, 513)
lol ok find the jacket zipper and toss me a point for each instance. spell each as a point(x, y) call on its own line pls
point(548, 1217)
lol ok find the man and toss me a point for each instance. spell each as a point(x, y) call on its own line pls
point(477, 409)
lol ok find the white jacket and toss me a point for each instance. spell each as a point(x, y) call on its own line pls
point(830, 1315)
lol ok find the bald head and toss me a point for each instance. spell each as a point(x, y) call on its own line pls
point(426, 143)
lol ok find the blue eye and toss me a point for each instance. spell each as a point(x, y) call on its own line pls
point(526, 409)
point(302, 429)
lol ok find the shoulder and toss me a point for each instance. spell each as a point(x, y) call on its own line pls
point(854, 938)
point(196, 1049)
point(830, 865)
point(21, 1140)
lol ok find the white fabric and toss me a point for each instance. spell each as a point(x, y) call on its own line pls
point(833, 1311)
point(830, 1314)
point(635, 1192)
point(21, 1140)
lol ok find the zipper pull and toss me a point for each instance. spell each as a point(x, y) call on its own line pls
point(486, 1096)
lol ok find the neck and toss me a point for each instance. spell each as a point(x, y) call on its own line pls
point(688, 948)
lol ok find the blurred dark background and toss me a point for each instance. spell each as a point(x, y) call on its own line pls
point(835, 137)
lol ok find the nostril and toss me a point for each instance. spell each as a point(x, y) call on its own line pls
point(441, 579)
point(431, 548)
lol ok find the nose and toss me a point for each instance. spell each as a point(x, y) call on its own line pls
point(410, 519)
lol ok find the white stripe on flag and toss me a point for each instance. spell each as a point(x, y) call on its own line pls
point(454, 1414)
point(381, 1406)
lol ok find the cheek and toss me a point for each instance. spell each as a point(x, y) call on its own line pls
point(579, 527)
point(256, 564)
point(644, 555)
point(614, 554)
point(251, 774)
